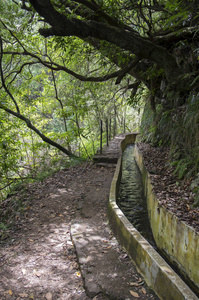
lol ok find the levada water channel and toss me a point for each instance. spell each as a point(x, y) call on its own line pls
point(132, 202)
point(131, 199)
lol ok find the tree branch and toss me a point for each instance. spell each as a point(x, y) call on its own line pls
point(127, 69)
point(141, 47)
point(23, 118)
point(32, 127)
point(100, 13)
point(167, 40)
point(59, 100)
point(56, 67)
point(2, 77)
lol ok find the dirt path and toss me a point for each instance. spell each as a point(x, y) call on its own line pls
point(38, 259)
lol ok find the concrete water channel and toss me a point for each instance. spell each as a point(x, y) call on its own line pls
point(131, 199)
point(128, 217)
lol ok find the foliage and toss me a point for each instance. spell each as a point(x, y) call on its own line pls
point(179, 129)
point(67, 65)
point(65, 110)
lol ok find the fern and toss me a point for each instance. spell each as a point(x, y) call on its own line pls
point(182, 167)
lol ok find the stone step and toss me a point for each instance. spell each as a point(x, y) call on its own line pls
point(105, 159)
point(110, 153)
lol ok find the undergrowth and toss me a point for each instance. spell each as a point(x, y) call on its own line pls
point(177, 128)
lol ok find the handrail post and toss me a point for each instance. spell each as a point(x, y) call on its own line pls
point(101, 132)
point(110, 129)
point(114, 127)
point(107, 132)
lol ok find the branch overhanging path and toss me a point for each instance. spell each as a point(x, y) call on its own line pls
point(62, 25)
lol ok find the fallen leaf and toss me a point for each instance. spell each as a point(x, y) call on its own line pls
point(69, 243)
point(23, 295)
point(123, 256)
point(36, 273)
point(23, 271)
point(134, 284)
point(42, 254)
point(143, 291)
point(49, 296)
point(78, 274)
point(140, 281)
point(134, 294)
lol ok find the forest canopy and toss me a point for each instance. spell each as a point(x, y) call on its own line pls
point(67, 64)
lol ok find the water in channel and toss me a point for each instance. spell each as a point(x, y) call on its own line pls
point(131, 199)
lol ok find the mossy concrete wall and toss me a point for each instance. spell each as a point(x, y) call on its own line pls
point(129, 139)
point(158, 274)
point(175, 238)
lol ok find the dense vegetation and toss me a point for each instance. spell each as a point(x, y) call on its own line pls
point(67, 64)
